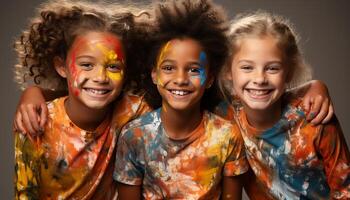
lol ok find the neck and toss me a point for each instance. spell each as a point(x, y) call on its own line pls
point(179, 124)
point(264, 119)
point(83, 116)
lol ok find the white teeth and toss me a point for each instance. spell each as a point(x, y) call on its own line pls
point(258, 92)
point(94, 91)
point(179, 92)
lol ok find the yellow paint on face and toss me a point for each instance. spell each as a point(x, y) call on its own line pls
point(110, 55)
point(101, 71)
point(115, 76)
point(160, 60)
point(110, 58)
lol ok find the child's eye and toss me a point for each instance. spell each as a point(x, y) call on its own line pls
point(246, 68)
point(194, 71)
point(114, 67)
point(86, 65)
point(167, 68)
point(273, 69)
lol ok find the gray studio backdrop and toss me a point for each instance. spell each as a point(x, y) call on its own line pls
point(324, 27)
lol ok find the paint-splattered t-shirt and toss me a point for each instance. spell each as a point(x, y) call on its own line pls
point(67, 162)
point(296, 160)
point(191, 168)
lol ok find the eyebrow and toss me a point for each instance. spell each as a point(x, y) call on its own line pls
point(245, 61)
point(85, 56)
point(251, 62)
point(173, 61)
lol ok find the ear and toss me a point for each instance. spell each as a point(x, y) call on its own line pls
point(154, 75)
point(60, 67)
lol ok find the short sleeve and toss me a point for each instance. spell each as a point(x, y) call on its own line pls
point(27, 168)
point(236, 162)
point(336, 158)
point(128, 169)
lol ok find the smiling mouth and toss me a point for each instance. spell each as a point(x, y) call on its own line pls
point(179, 92)
point(259, 93)
point(96, 91)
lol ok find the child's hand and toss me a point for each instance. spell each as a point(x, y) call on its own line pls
point(318, 102)
point(31, 113)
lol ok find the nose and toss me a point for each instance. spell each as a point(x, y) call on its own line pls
point(260, 78)
point(100, 74)
point(181, 78)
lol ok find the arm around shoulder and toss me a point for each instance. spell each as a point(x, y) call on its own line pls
point(231, 188)
point(27, 168)
point(336, 158)
point(128, 192)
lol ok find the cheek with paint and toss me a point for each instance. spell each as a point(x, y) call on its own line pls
point(202, 77)
point(111, 57)
point(160, 59)
point(76, 79)
point(115, 76)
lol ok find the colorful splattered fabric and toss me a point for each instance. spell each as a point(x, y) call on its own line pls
point(296, 160)
point(68, 162)
point(179, 169)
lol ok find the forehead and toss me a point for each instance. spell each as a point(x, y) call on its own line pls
point(265, 47)
point(92, 39)
point(181, 49)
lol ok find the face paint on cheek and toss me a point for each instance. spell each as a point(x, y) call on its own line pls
point(160, 59)
point(72, 84)
point(115, 76)
point(202, 74)
point(159, 81)
point(111, 57)
point(77, 83)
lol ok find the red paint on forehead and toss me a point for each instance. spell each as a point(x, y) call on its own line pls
point(75, 47)
point(118, 46)
point(107, 38)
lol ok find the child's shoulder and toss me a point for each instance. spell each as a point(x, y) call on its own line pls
point(222, 125)
point(294, 110)
point(131, 104)
point(149, 119)
point(56, 105)
point(296, 117)
point(131, 100)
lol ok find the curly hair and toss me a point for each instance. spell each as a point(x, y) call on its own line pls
point(198, 20)
point(56, 25)
point(260, 24)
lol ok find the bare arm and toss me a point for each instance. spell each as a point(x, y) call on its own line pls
point(31, 113)
point(128, 192)
point(316, 101)
point(231, 188)
point(335, 154)
point(27, 168)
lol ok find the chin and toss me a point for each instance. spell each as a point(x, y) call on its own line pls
point(97, 105)
point(261, 105)
point(258, 107)
point(180, 106)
